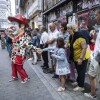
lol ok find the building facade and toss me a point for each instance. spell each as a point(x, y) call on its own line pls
point(5, 11)
point(32, 10)
point(70, 11)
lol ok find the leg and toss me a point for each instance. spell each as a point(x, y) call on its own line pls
point(93, 85)
point(21, 72)
point(45, 59)
point(14, 71)
point(81, 69)
point(31, 54)
point(35, 57)
point(63, 80)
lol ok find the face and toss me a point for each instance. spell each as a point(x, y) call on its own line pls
point(70, 31)
point(22, 26)
point(16, 27)
point(97, 17)
point(52, 28)
point(62, 28)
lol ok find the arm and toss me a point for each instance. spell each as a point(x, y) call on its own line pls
point(49, 48)
point(61, 57)
point(51, 41)
point(84, 47)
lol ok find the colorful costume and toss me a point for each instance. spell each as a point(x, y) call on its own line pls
point(20, 43)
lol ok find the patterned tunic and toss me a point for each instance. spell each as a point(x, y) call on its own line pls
point(20, 43)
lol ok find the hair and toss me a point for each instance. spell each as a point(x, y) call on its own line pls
point(64, 24)
point(37, 29)
point(60, 42)
point(98, 11)
point(43, 28)
point(74, 27)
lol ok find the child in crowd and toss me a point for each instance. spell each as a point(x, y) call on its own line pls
point(62, 65)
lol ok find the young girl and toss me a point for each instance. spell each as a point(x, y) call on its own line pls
point(62, 65)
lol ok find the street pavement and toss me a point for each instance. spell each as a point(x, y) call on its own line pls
point(40, 87)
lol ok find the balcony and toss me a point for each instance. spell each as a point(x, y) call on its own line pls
point(36, 6)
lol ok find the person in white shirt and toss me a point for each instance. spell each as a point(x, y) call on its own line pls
point(94, 69)
point(53, 35)
point(43, 44)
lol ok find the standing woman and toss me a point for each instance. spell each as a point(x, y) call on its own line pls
point(20, 43)
point(66, 35)
point(79, 54)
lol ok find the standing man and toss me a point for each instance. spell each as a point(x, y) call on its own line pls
point(94, 69)
point(53, 35)
point(43, 44)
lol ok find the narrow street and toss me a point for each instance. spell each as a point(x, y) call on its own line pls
point(33, 90)
point(40, 87)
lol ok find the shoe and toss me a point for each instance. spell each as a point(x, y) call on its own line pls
point(42, 66)
point(34, 63)
point(25, 80)
point(78, 89)
point(45, 71)
point(88, 95)
point(13, 79)
point(50, 71)
point(61, 89)
point(74, 83)
point(30, 59)
point(55, 76)
point(39, 60)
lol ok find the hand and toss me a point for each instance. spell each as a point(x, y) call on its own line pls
point(79, 62)
point(65, 45)
point(39, 51)
point(52, 55)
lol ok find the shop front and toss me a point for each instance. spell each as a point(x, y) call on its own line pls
point(86, 11)
point(60, 14)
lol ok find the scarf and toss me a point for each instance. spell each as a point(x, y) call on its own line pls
point(72, 39)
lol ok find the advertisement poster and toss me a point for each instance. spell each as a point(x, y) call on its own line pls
point(87, 4)
point(83, 18)
point(91, 17)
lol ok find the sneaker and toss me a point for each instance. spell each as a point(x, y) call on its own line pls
point(74, 83)
point(61, 89)
point(25, 80)
point(78, 89)
point(13, 79)
point(55, 76)
point(88, 95)
point(34, 63)
point(30, 59)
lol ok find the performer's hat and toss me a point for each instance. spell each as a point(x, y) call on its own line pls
point(18, 18)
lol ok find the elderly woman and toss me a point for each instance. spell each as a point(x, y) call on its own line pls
point(78, 53)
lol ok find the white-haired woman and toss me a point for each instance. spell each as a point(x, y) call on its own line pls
point(78, 53)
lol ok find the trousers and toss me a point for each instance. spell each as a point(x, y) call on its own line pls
point(21, 71)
